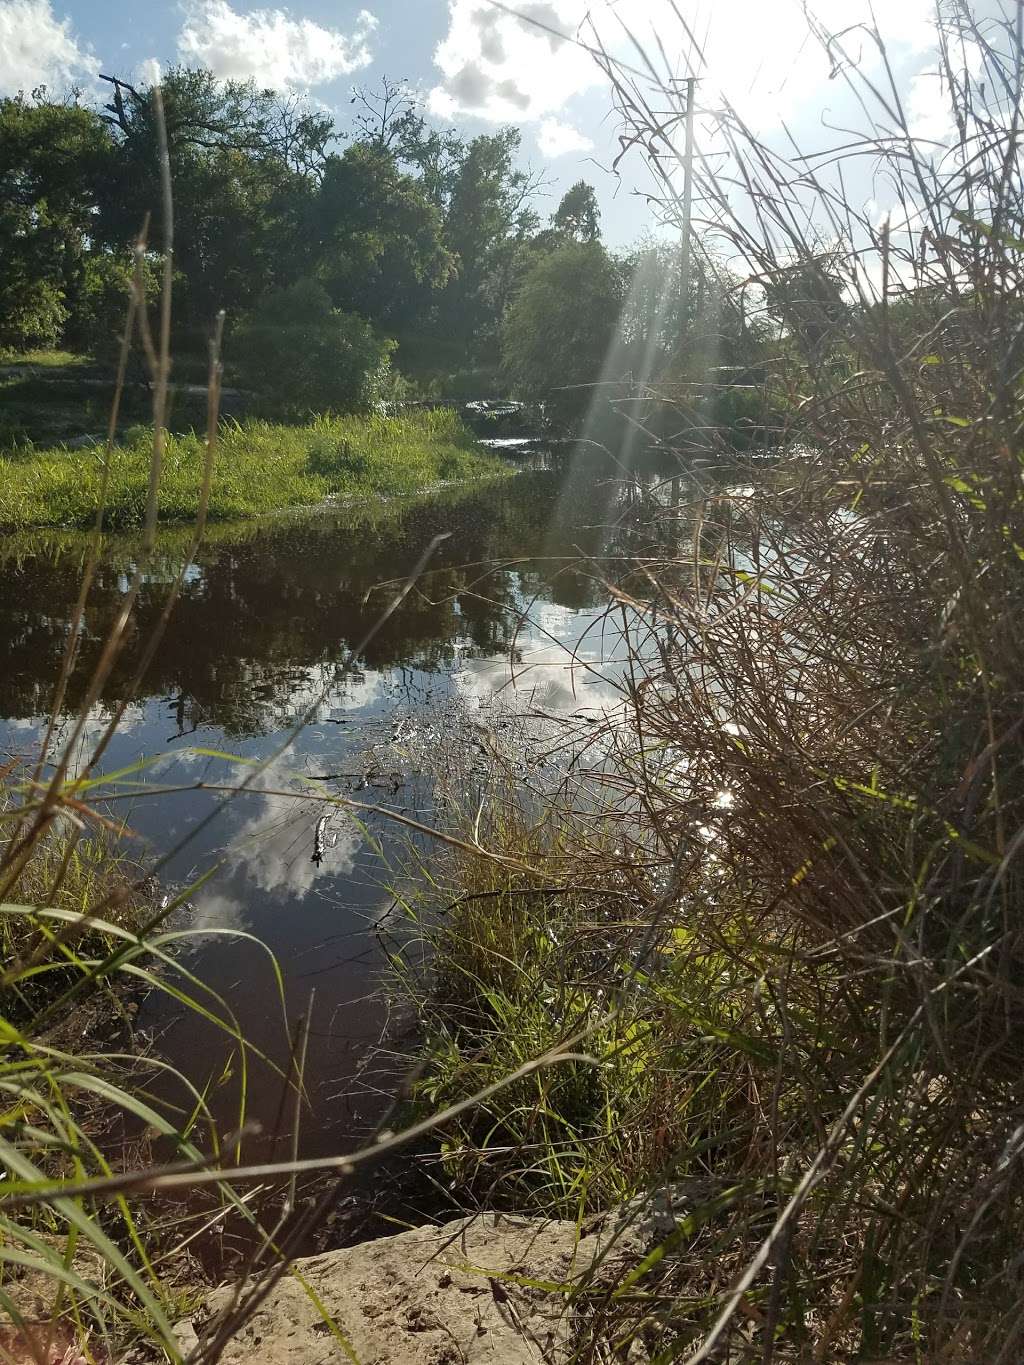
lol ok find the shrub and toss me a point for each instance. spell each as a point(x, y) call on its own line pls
point(302, 356)
point(100, 303)
point(32, 312)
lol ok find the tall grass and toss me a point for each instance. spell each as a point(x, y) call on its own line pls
point(262, 467)
point(799, 967)
point(81, 948)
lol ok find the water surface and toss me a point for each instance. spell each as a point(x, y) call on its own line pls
point(267, 632)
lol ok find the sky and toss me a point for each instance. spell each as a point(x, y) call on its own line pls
point(479, 66)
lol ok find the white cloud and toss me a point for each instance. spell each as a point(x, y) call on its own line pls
point(761, 56)
point(928, 106)
point(215, 910)
point(499, 67)
point(559, 139)
point(929, 102)
point(274, 845)
point(271, 47)
point(37, 48)
point(148, 72)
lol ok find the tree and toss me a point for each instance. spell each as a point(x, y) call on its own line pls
point(53, 156)
point(301, 356)
point(487, 219)
point(207, 114)
point(578, 215)
point(377, 240)
point(483, 197)
point(244, 165)
point(99, 303)
point(562, 324)
point(383, 116)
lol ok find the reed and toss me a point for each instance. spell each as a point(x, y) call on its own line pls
point(797, 967)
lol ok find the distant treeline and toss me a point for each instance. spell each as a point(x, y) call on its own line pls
point(432, 238)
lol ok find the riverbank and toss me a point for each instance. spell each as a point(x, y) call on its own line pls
point(733, 938)
point(257, 632)
point(260, 467)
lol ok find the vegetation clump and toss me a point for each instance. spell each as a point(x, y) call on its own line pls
point(770, 920)
point(301, 356)
point(262, 467)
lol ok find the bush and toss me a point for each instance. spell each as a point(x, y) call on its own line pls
point(302, 356)
point(99, 307)
point(32, 312)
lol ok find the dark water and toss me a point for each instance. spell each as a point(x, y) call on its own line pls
point(263, 634)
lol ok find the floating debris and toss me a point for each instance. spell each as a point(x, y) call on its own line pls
point(320, 842)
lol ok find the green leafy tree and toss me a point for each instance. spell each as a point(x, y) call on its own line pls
point(99, 300)
point(488, 221)
point(483, 196)
point(300, 355)
point(562, 325)
point(245, 165)
point(578, 215)
point(53, 156)
point(379, 244)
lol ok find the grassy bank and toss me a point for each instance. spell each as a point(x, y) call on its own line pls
point(74, 1079)
point(260, 467)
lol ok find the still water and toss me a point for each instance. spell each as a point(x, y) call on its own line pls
point(265, 633)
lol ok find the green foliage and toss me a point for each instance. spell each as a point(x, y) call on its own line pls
point(261, 467)
point(487, 218)
point(578, 215)
point(32, 308)
point(300, 355)
point(80, 947)
point(522, 960)
point(381, 251)
point(52, 155)
point(562, 324)
point(416, 229)
point(244, 163)
point(47, 359)
point(100, 303)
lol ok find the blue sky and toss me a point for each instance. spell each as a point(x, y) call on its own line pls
point(479, 66)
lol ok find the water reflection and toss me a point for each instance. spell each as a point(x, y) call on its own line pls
point(266, 613)
point(262, 636)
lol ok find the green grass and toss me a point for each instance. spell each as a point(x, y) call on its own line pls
point(43, 359)
point(260, 468)
point(80, 946)
point(522, 960)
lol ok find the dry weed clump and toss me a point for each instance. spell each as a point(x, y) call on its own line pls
point(797, 969)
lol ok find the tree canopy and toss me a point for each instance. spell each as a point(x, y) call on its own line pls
point(578, 215)
point(563, 322)
point(412, 227)
point(429, 238)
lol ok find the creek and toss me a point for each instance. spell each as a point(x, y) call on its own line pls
point(267, 634)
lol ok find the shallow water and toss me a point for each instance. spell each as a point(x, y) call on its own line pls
point(267, 631)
